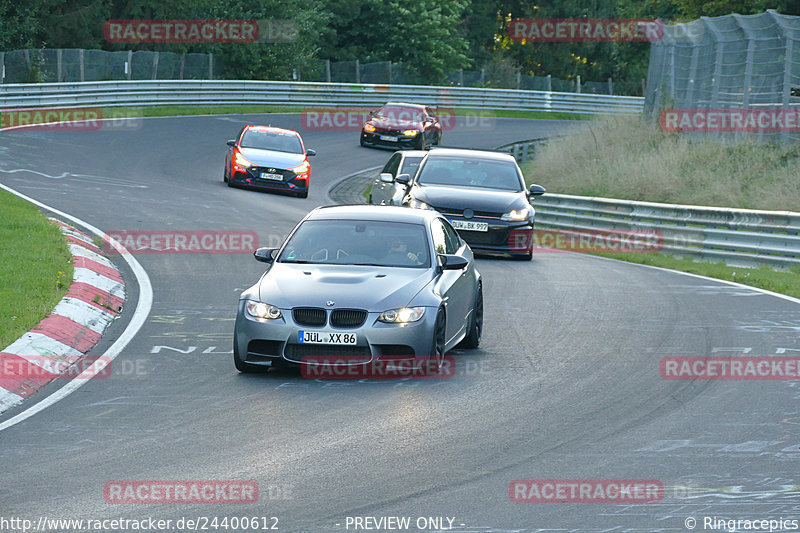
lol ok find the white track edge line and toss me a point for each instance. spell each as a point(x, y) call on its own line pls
point(699, 276)
point(140, 314)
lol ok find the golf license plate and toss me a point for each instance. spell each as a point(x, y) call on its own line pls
point(470, 225)
point(326, 337)
point(270, 176)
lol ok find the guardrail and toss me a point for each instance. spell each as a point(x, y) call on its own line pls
point(229, 92)
point(740, 237)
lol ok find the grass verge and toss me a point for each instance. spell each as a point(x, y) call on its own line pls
point(186, 110)
point(626, 158)
point(37, 267)
point(623, 157)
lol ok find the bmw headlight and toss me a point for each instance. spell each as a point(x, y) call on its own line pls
point(402, 315)
point(418, 204)
point(516, 215)
point(262, 310)
point(369, 127)
point(410, 133)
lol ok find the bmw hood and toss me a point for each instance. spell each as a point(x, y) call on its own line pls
point(477, 199)
point(271, 158)
point(362, 287)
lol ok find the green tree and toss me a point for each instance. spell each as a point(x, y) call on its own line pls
point(425, 35)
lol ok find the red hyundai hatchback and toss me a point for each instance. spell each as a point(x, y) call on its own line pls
point(268, 158)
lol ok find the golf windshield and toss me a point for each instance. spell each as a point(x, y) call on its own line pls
point(487, 174)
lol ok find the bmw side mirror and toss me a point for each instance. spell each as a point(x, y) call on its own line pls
point(232, 142)
point(264, 255)
point(386, 177)
point(405, 179)
point(310, 152)
point(537, 190)
point(453, 262)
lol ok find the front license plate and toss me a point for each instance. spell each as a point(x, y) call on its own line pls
point(391, 138)
point(273, 177)
point(470, 225)
point(326, 337)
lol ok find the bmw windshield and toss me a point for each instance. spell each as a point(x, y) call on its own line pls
point(358, 242)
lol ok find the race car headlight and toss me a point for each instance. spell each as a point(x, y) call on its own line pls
point(262, 310)
point(410, 133)
point(369, 127)
point(241, 161)
point(418, 204)
point(402, 315)
point(516, 215)
point(302, 168)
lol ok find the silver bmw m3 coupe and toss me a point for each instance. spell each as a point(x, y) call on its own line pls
point(363, 283)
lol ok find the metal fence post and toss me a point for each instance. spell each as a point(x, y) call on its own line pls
point(155, 67)
point(358, 72)
point(58, 64)
point(210, 66)
point(390, 72)
point(610, 86)
point(183, 63)
point(461, 77)
point(787, 78)
point(549, 83)
point(80, 60)
point(578, 84)
point(130, 64)
point(328, 70)
point(483, 75)
point(2, 67)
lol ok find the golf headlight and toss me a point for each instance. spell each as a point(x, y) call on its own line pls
point(410, 133)
point(262, 310)
point(369, 127)
point(516, 215)
point(402, 315)
point(418, 204)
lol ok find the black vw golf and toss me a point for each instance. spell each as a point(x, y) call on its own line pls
point(483, 195)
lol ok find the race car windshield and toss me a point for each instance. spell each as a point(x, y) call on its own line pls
point(358, 242)
point(266, 140)
point(400, 114)
point(485, 174)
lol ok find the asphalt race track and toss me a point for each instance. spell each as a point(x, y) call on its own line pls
point(566, 384)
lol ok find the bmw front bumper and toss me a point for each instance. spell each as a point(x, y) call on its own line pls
point(274, 342)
